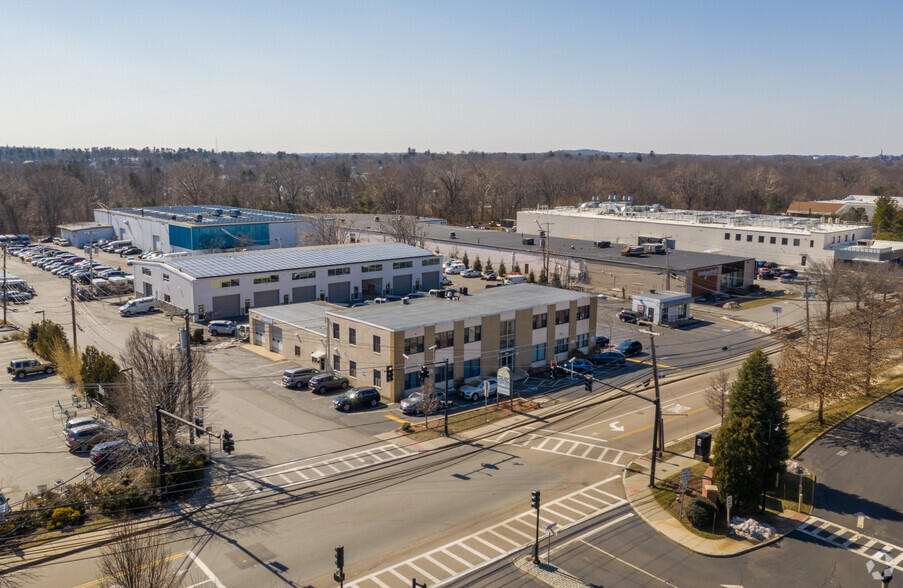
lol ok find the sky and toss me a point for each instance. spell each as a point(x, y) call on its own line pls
point(721, 77)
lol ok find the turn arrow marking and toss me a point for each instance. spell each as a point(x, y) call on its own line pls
point(615, 426)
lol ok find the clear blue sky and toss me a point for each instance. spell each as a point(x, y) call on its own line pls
point(671, 76)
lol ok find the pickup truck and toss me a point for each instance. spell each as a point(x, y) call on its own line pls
point(20, 368)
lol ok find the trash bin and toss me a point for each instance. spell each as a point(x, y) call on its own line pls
point(464, 290)
point(703, 446)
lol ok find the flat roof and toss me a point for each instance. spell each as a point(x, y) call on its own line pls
point(665, 296)
point(201, 215)
point(282, 259)
point(421, 312)
point(83, 226)
point(310, 316)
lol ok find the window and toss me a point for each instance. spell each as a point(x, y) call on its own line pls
point(145, 271)
point(796, 242)
point(225, 283)
point(377, 378)
point(561, 345)
point(377, 344)
point(583, 340)
point(412, 380)
point(506, 335)
point(402, 264)
point(445, 339)
point(472, 334)
point(336, 362)
point(540, 320)
point(772, 240)
point(413, 345)
point(266, 279)
point(811, 243)
point(165, 277)
point(538, 352)
point(433, 261)
point(727, 236)
point(737, 237)
point(471, 368)
point(166, 298)
point(749, 238)
point(339, 271)
point(304, 275)
point(352, 336)
point(373, 267)
point(297, 350)
point(562, 317)
point(783, 240)
point(352, 369)
point(439, 374)
point(336, 331)
point(761, 238)
point(582, 312)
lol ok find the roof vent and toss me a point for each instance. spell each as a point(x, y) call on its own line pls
point(217, 212)
point(234, 213)
point(199, 218)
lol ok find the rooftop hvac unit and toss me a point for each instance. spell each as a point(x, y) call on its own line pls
point(217, 212)
point(199, 218)
point(234, 213)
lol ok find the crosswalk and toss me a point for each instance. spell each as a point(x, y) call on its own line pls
point(279, 478)
point(494, 542)
point(579, 449)
point(846, 538)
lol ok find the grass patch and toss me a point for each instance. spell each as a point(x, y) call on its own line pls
point(667, 494)
point(807, 428)
point(470, 419)
point(765, 300)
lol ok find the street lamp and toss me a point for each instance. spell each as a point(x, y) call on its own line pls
point(775, 428)
point(41, 312)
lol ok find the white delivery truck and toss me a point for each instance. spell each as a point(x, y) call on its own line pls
point(138, 306)
point(514, 279)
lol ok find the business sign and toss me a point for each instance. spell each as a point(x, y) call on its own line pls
point(684, 478)
point(504, 381)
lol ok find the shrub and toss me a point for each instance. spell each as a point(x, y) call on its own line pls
point(44, 337)
point(531, 277)
point(186, 467)
point(122, 500)
point(516, 268)
point(701, 512)
point(98, 367)
point(61, 518)
point(197, 337)
point(406, 426)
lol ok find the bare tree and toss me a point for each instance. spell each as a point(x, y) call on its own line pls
point(405, 229)
point(193, 182)
point(871, 329)
point(717, 392)
point(828, 280)
point(327, 229)
point(136, 558)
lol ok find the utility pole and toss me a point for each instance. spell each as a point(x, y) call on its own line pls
point(4, 284)
point(657, 433)
point(72, 305)
point(544, 243)
point(189, 366)
point(161, 464)
point(807, 307)
point(667, 265)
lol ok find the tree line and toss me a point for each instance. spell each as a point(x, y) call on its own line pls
point(41, 188)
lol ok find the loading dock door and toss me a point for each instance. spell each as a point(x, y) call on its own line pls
point(266, 298)
point(339, 293)
point(304, 294)
point(259, 333)
point(276, 339)
point(430, 281)
point(226, 306)
point(403, 285)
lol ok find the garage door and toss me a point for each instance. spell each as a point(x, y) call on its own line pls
point(266, 298)
point(276, 339)
point(430, 281)
point(259, 332)
point(402, 285)
point(226, 306)
point(304, 294)
point(339, 293)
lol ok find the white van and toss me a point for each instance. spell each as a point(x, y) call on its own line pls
point(138, 306)
point(455, 268)
point(515, 279)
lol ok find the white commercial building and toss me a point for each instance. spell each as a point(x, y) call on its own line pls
point(781, 239)
point(225, 285)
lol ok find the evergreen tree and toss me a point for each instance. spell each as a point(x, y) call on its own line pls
point(556, 279)
point(543, 278)
point(488, 265)
point(885, 213)
point(502, 269)
point(531, 278)
point(516, 268)
point(466, 260)
point(739, 458)
point(477, 265)
point(755, 394)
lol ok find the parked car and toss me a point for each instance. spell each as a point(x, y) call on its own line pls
point(490, 276)
point(386, 299)
point(417, 402)
point(601, 341)
point(21, 368)
point(324, 382)
point(475, 391)
point(299, 377)
point(79, 422)
point(470, 273)
point(356, 398)
point(610, 357)
point(455, 269)
point(221, 328)
point(630, 347)
point(629, 316)
point(581, 366)
point(445, 282)
point(129, 260)
point(110, 454)
point(83, 437)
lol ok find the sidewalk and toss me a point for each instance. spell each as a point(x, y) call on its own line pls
point(644, 504)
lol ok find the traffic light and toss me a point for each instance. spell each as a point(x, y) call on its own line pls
point(199, 423)
point(424, 373)
point(228, 443)
point(390, 373)
point(534, 502)
point(340, 556)
point(554, 373)
point(588, 384)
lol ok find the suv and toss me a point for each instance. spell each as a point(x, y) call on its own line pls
point(298, 377)
point(629, 347)
point(111, 454)
point(356, 398)
point(417, 402)
point(221, 328)
point(629, 316)
point(475, 391)
point(28, 367)
point(581, 366)
point(324, 382)
point(610, 357)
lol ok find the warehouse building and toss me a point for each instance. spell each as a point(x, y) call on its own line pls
point(204, 228)
point(225, 285)
point(781, 239)
point(524, 327)
point(82, 234)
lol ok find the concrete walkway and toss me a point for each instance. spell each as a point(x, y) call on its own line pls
point(639, 495)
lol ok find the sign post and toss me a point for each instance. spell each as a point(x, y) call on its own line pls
point(730, 503)
point(777, 312)
point(684, 480)
point(486, 389)
point(503, 377)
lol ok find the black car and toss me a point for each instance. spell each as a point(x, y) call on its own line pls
point(602, 341)
point(610, 357)
point(630, 347)
point(629, 316)
point(356, 398)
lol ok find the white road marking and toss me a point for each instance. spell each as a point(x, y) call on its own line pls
point(203, 567)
